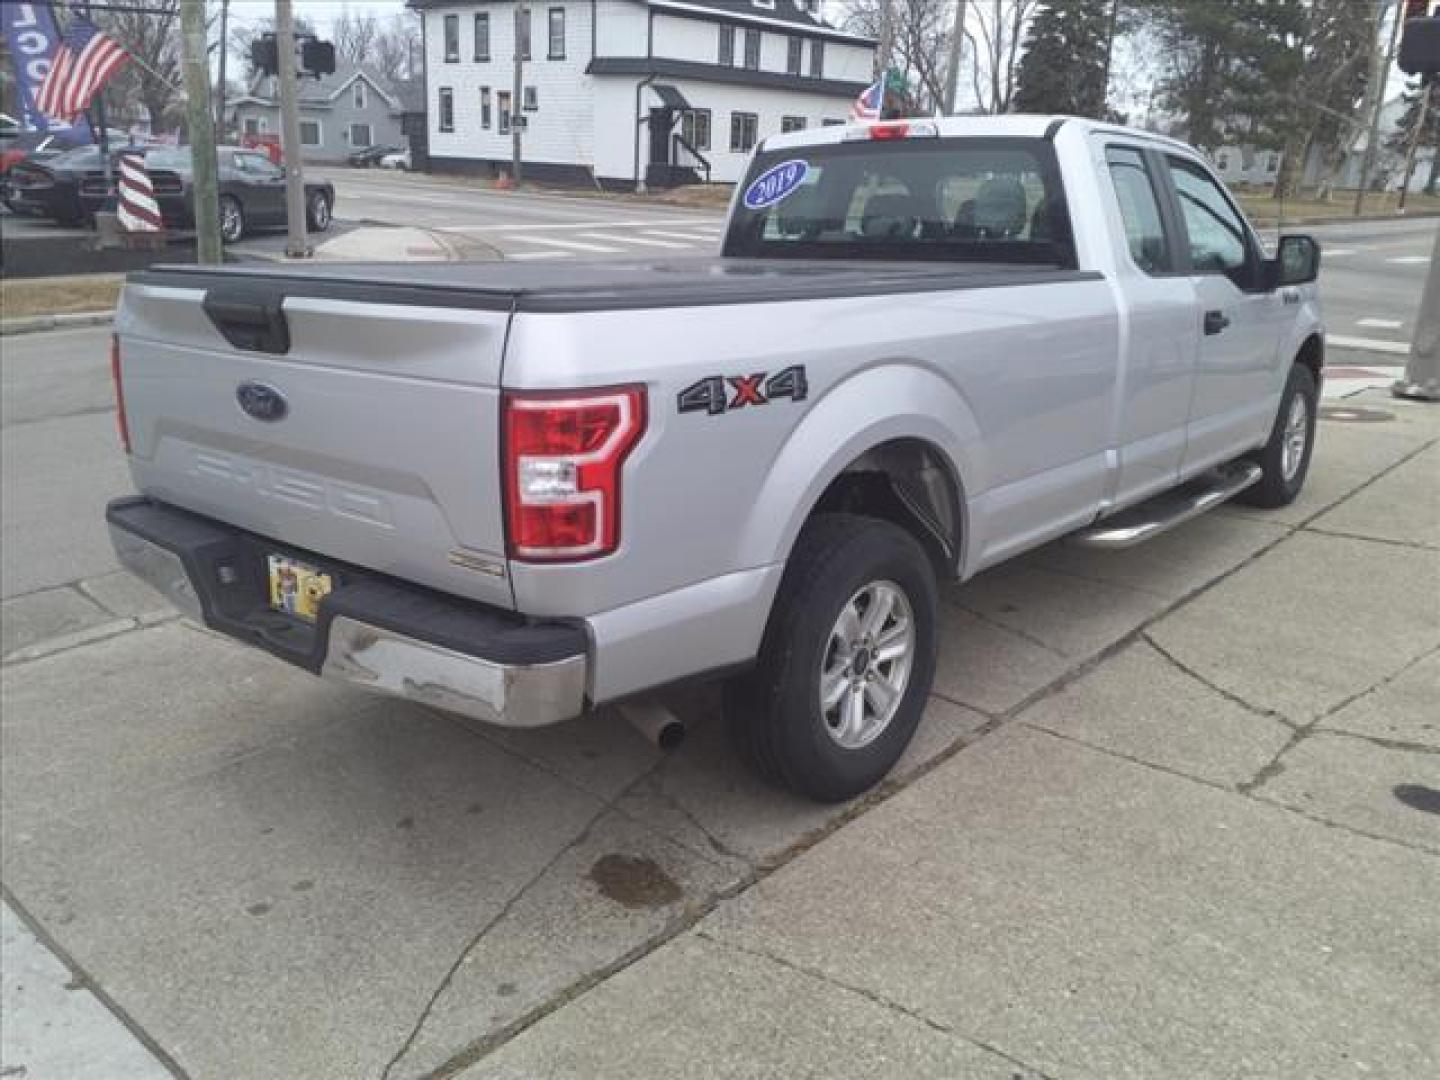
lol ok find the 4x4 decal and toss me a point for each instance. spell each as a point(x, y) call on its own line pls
point(716, 394)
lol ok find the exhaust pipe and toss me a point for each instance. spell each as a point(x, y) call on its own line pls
point(660, 727)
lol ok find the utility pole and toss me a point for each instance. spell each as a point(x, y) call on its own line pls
point(952, 74)
point(517, 109)
point(1422, 369)
point(1380, 74)
point(887, 40)
point(1427, 86)
point(195, 59)
point(224, 51)
point(296, 246)
point(104, 139)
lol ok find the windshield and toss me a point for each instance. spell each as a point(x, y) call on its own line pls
point(967, 200)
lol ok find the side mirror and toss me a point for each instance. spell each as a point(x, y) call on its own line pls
point(1297, 262)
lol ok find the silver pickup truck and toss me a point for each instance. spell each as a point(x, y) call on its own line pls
point(520, 492)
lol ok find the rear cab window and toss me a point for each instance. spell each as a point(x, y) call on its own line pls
point(981, 200)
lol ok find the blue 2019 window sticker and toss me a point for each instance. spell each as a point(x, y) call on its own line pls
point(775, 183)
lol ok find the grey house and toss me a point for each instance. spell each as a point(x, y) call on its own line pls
point(340, 113)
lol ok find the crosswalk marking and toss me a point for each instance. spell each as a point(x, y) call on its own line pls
point(569, 245)
point(1409, 260)
point(1335, 253)
point(1380, 324)
point(692, 237)
point(1398, 348)
point(610, 238)
point(527, 256)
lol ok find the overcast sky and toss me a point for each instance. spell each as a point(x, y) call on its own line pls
point(319, 12)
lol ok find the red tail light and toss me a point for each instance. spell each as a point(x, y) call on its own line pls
point(120, 419)
point(563, 454)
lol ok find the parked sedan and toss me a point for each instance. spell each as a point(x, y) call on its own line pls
point(369, 156)
point(72, 187)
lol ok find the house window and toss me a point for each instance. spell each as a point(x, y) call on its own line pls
point(727, 46)
point(794, 47)
point(557, 34)
point(752, 49)
point(830, 121)
point(447, 109)
point(359, 134)
point(482, 36)
point(524, 21)
point(695, 128)
point(485, 107)
point(452, 39)
point(310, 133)
point(254, 125)
point(357, 93)
point(817, 59)
point(743, 126)
point(531, 100)
point(502, 100)
point(792, 123)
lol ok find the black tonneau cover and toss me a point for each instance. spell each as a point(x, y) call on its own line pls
point(602, 286)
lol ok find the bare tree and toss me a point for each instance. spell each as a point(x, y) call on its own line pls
point(355, 36)
point(920, 32)
point(397, 46)
point(996, 28)
point(152, 77)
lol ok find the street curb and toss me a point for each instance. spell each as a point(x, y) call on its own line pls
point(35, 324)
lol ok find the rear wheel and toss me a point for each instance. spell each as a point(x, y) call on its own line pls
point(317, 212)
point(1285, 459)
point(847, 660)
point(232, 219)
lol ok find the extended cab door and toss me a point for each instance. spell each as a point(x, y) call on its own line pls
point(1239, 321)
point(1157, 296)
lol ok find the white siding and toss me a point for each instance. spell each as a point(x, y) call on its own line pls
point(559, 132)
point(690, 39)
point(850, 63)
point(622, 29)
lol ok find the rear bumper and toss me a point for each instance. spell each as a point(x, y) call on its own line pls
point(372, 631)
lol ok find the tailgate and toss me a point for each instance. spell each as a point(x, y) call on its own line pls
point(359, 422)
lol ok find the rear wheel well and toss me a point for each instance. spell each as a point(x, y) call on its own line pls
point(909, 483)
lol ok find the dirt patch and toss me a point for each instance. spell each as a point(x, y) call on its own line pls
point(634, 881)
point(20, 298)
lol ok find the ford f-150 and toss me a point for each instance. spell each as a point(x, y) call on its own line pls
point(520, 492)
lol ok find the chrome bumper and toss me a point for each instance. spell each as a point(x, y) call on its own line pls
point(385, 661)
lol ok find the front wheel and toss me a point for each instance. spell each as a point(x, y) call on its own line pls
point(232, 219)
point(846, 663)
point(1285, 459)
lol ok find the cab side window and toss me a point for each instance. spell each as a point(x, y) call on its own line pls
point(1217, 235)
point(1139, 210)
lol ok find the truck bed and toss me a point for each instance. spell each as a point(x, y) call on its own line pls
point(608, 286)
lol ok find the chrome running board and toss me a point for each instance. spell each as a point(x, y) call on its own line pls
point(1163, 512)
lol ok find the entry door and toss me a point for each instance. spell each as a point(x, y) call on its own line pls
point(1236, 385)
point(661, 121)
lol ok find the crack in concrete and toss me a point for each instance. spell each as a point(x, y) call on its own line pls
point(1276, 765)
point(655, 783)
point(1411, 545)
point(89, 410)
point(84, 979)
point(874, 998)
point(1228, 695)
point(1401, 745)
point(1167, 770)
point(990, 620)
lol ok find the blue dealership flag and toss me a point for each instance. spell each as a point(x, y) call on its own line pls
point(33, 37)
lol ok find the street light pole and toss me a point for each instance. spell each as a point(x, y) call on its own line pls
point(517, 92)
point(296, 245)
point(195, 58)
point(224, 51)
point(1422, 369)
point(1380, 73)
point(952, 80)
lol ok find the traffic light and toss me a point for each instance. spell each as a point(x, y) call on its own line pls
point(1420, 47)
point(317, 57)
point(264, 55)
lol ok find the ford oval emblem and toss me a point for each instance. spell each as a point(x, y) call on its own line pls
point(261, 401)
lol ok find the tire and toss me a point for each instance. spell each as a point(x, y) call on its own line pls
point(841, 564)
point(232, 219)
point(317, 212)
point(1285, 459)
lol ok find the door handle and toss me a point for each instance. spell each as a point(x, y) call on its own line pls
point(1216, 321)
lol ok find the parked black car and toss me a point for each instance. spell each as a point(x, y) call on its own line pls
point(367, 157)
point(20, 146)
point(71, 188)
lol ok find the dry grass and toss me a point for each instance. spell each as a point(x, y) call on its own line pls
point(22, 297)
point(1265, 211)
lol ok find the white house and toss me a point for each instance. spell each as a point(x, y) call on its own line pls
point(623, 90)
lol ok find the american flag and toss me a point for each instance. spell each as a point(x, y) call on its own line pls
point(868, 105)
point(83, 64)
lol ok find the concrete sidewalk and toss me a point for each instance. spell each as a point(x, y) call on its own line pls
point(1171, 812)
point(1211, 850)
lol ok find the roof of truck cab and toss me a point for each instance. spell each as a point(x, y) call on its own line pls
point(1008, 126)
